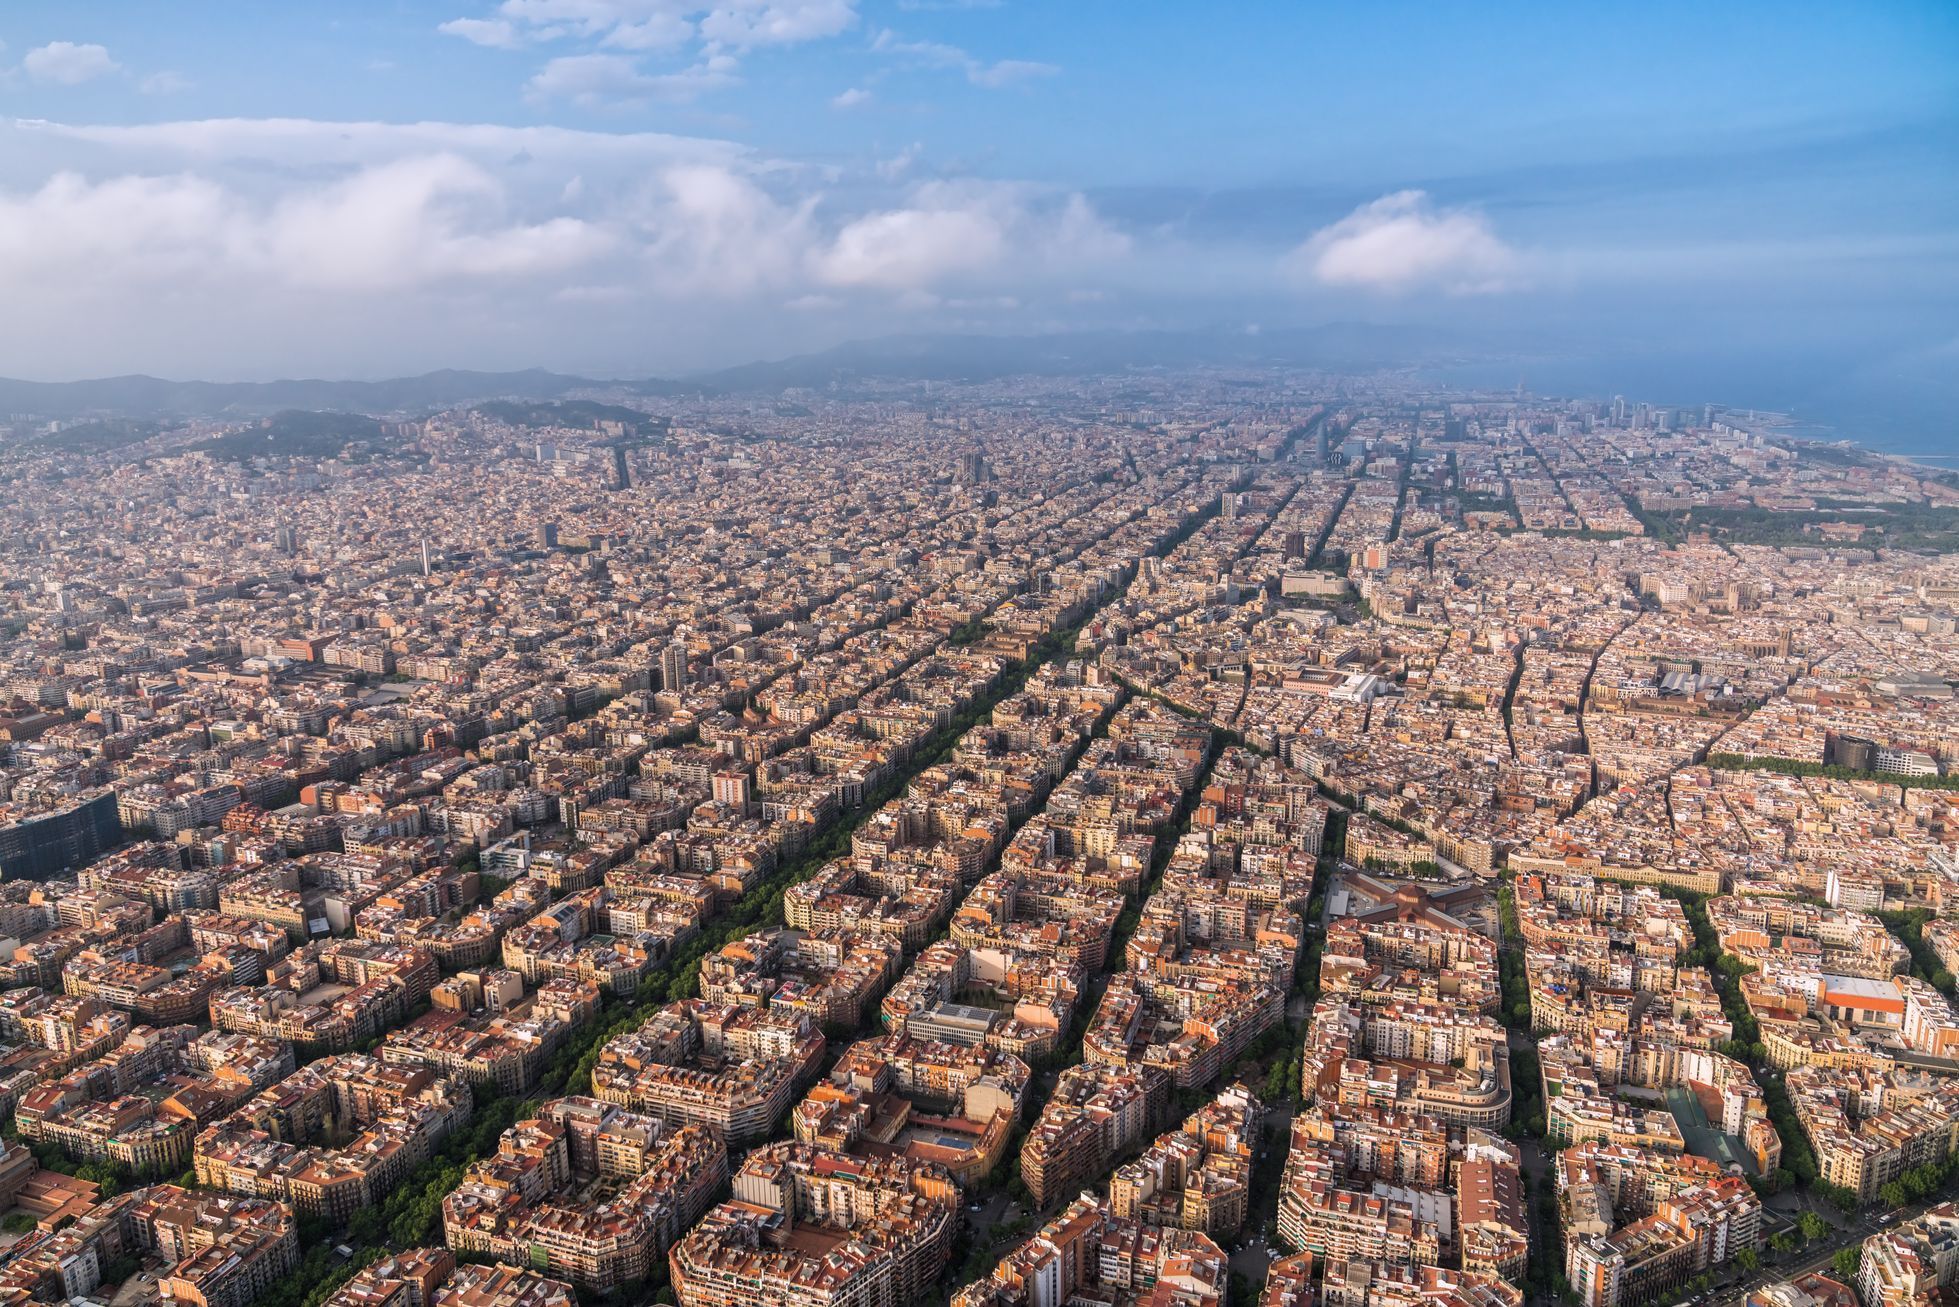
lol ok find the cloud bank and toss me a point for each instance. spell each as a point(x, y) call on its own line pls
point(1403, 242)
point(612, 42)
point(187, 234)
point(64, 63)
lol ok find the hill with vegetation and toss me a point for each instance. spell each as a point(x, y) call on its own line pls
point(297, 433)
point(578, 414)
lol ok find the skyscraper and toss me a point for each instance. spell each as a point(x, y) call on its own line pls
point(673, 667)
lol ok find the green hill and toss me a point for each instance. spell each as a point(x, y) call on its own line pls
point(580, 414)
point(295, 433)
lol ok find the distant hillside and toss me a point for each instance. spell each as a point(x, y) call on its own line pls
point(96, 437)
point(1336, 347)
point(295, 434)
point(1339, 346)
point(152, 397)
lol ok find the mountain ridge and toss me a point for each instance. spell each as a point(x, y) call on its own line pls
point(937, 357)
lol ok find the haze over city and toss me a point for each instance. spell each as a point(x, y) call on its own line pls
point(630, 187)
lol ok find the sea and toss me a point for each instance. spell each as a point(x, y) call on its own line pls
point(1906, 416)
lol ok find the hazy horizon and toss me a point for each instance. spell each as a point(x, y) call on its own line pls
point(1761, 201)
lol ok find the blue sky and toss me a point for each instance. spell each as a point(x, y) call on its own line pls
point(653, 185)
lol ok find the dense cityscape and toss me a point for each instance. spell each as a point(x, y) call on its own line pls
point(1143, 841)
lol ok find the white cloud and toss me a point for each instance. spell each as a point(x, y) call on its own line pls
point(951, 232)
point(712, 35)
point(1006, 72)
point(908, 248)
point(937, 54)
point(739, 23)
point(362, 208)
point(65, 63)
point(597, 80)
point(902, 162)
point(497, 33)
point(709, 231)
point(552, 19)
point(1404, 242)
point(713, 73)
point(590, 79)
point(415, 221)
point(745, 23)
point(549, 19)
point(851, 98)
point(660, 31)
point(620, 81)
point(1079, 236)
point(307, 241)
point(386, 229)
point(138, 229)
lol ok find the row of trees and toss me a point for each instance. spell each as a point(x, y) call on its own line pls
point(1510, 963)
point(1909, 926)
point(1544, 1276)
point(1828, 770)
point(1798, 1159)
point(1917, 1183)
point(1527, 1111)
point(1809, 1229)
point(968, 632)
point(1726, 971)
point(111, 1176)
point(1919, 527)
